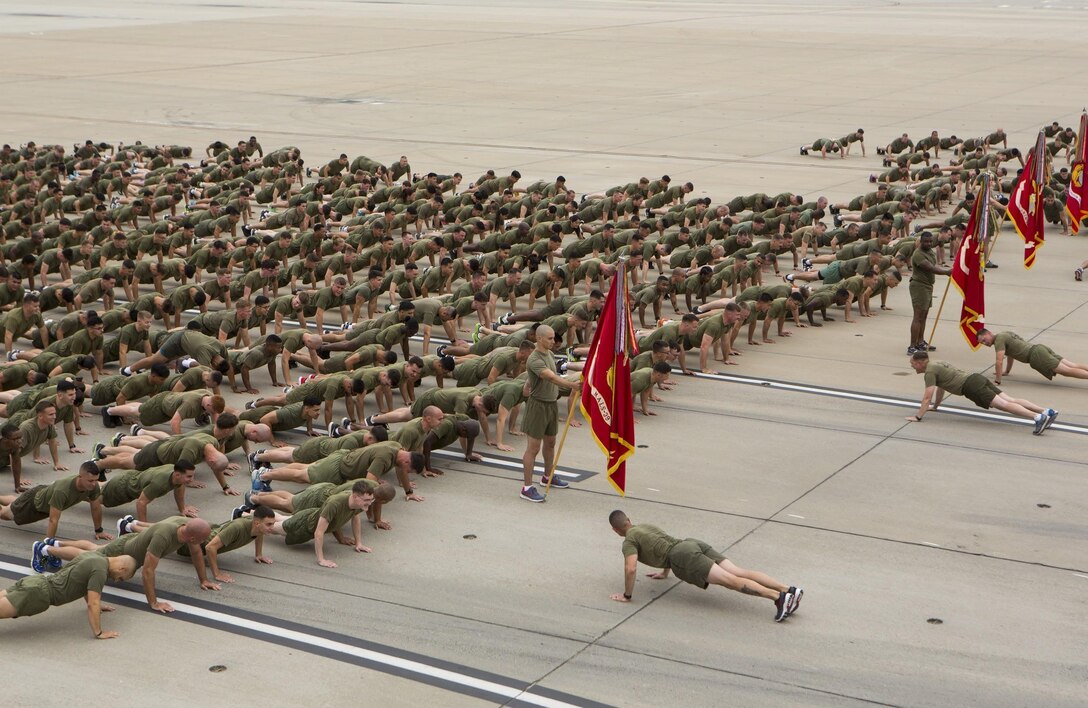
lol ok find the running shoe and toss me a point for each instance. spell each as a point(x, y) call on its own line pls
point(797, 593)
point(782, 606)
point(532, 495)
point(1040, 424)
point(52, 561)
point(557, 483)
point(37, 559)
point(1051, 416)
point(122, 524)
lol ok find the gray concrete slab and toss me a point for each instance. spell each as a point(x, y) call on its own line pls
point(839, 495)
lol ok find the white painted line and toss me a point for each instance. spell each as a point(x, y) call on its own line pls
point(401, 664)
point(927, 543)
point(497, 462)
point(885, 400)
point(1081, 575)
point(652, 489)
point(795, 516)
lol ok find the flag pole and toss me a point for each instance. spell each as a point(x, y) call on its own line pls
point(562, 440)
point(990, 243)
point(944, 297)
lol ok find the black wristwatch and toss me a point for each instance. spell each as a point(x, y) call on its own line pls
point(98, 530)
point(626, 596)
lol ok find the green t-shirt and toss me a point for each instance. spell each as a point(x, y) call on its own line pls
point(505, 360)
point(377, 459)
point(667, 333)
point(1014, 345)
point(300, 528)
point(88, 572)
point(328, 389)
point(944, 375)
point(18, 324)
point(451, 400)
point(411, 435)
point(509, 393)
point(33, 436)
point(159, 540)
point(713, 327)
point(917, 258)
point(641, 380)
point(650, 544)
point(233, 534)
point(62, 495)
point(185, 447)
point(541, 389)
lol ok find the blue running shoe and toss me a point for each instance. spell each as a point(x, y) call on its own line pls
point(531, 494)
point(1051, 416)
point(36, 558)
point(556, 483)
point(52, 561)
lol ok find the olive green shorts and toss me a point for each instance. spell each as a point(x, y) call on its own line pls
point(148, 456)
point(327, 470)
point(151, 413)
point(23, 510)
point(29, 596)
point(300, 527)
point(692, 559)
point(921, 296)
point(1044, 360)
point(831, 274)
point(312, 497)
point(485, 345)
point(980, 390)
point(171, 348)
point(540, 419)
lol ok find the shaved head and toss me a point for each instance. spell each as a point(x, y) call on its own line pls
point(122, 567)
point(258, 432)
point(197, 530)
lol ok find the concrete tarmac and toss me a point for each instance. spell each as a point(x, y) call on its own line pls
point(888, 525)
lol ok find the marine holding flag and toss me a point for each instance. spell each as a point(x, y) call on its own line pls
point(1026, 203)
point(606, 391)
point(968, 272)
point(540, 420)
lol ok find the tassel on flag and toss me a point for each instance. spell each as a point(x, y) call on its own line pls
point(968, 272)
point(1026, 203)
point(1076, 197)
point(606, 389)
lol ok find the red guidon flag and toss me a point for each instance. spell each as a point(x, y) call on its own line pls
point(1026, 203)
point(1076, 197)
point(606, 389)
point(968, 272)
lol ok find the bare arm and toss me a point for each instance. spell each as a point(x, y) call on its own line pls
point(94, 616)
point(630, 567)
